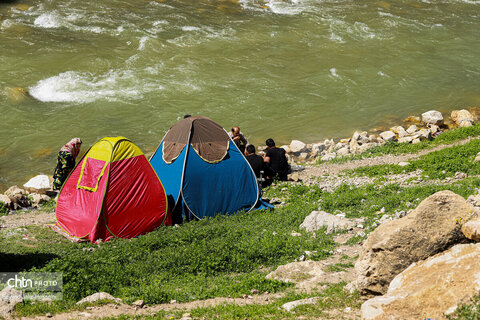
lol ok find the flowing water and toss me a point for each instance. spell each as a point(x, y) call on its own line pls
point(300, 69)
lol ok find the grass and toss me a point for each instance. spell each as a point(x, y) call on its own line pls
point(228, 256)
point(435, 165)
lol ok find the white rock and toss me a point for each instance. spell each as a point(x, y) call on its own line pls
point(388, 136)
point(317, 148)
point(463, 118)
point(38, 184)
point(289, 306)
point(372, 138)
point(343, 151)
point(434, 129)
point(318, 219)
point(403, 164)
point(424, 134)
point(38, 199)
point(297, 146)
point(477, 158)
point(7, 203)
point(99, 296)
point(406, 139)
point(329, 156)
point(286, 148)
point(432, 117)
point(412, 129)
point(414, 141)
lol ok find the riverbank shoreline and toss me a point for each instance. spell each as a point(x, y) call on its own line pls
point(329, 149)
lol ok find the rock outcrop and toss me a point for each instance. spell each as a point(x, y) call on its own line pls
point(462, 118)
point(432, 227)
point(430, 288)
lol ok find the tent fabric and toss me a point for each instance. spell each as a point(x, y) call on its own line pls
point(202, 187)
point(210, 141)
point(129, 199)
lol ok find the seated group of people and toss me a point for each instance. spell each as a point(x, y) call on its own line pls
point(274, 166)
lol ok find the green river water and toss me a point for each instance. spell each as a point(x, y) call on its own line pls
point(303, 69)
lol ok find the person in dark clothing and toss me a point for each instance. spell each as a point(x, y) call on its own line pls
point(276, 161)
point(258, 166)
point(66, 162)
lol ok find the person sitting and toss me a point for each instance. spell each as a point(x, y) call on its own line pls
point(277, 161)
point(258, 165)
point(66, 162)
point(238, 138)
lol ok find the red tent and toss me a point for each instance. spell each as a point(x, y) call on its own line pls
point(112, 192)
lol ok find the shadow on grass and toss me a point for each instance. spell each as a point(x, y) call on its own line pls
point(11, 262)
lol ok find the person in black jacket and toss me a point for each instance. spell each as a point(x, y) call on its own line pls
point(276, 161)
point(258, 165)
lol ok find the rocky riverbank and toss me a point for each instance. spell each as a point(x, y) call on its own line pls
point(415, 129)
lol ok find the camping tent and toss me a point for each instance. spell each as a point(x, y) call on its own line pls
point(112, 192)
point(204, 172)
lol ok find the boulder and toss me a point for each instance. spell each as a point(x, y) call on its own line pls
point(388, 136)
point(318, 219)
point(294, 272)
point(99, 296)
point(434, 129)
point(471, 229)
point(7, 203)
point(406, 139)
point(432, 117)
point(429, 229)
point(18, 197)
point(424, 134)
point(372, 138)
point(9, 297)
point(412, 129)
point(430, 288)
point(38, 199)
point(16, 94)
point(462, 118)
point(364, 147)
point(297, 146)
point(38, 184)
point(343, 151)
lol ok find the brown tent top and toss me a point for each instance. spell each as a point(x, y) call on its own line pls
point(208, 139)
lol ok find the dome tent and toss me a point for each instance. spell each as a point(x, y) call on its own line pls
point(204, 172)
point(112, 192)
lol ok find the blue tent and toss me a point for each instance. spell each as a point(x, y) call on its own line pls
point(203, 172)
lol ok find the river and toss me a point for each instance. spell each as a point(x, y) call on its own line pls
point(299, 69)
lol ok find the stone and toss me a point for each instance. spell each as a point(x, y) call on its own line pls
point(471, 229)
point(366, 146)
point(434, 129)
point(293, 177)
point(7, 203)
point(416, 140)
point(431, 288)
point(372, 138)
point(18, 197)
point(38, 199)
point(412, 129)
point(388, 136)
point(16, 94)
point(38, 184)
point(462, 118)
point(406, 139)
point(329, 156)
point(403, 164)
point(429, 229)
point(317, 148)
point(477, 158)
point(9, 297)
point(297, 146)
point(413, 119)
point(318, 219)
point(424, 134)
point(99, 296)
point(399, 130)
point(343, 151)
point(432, 117)
point(286, 148)
point(295, 272)
point(138, 303)
point(289, 306)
